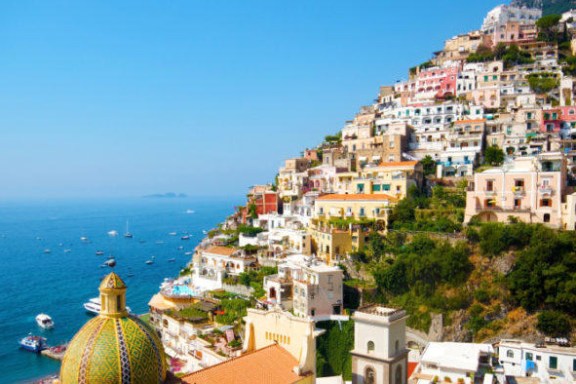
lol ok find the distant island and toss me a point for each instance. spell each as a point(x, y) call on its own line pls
point(168, 195)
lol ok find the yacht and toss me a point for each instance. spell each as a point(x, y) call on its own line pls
point(185, 237)
point(94, 305)
point(33, 343)
point(127, 234)
point(44, 321)
point(110, 262)
point(113, 233)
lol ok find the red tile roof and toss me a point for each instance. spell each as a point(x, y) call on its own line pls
point(269, 365)
point(224, 251)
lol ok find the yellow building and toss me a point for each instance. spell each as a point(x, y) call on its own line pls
point(114, 347)
point(391, 178)
point(279, 347)
point(342, 223)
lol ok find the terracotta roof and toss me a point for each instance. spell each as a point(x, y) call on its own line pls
point(398, 164)
point(411, 368)
point(470, 121)
point(357, 196)
point(224, 251)
point(269, 365)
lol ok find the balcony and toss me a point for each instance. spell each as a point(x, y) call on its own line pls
point(506, 209)
point(489, 192)
point(545, 190)
point(519, 191)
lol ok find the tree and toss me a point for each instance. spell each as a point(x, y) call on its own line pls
point(493, 155)
point(554, 323)
point(542, 82)
point(429, 165)
point(548, 27)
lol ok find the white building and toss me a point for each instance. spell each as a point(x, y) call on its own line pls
point(503, 14)
point(379, 355)
point(454, 362)
point(307, 286)
point(549, 363)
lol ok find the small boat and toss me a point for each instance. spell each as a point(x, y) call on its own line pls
point(127, 234)
point(99, 253)
point(188, 253)
point(172, 234)
point(113, 233)
point(171, 260)
point(180, 248)
point(67, 250)
point(84, 239)
point(47, 250)
point(110, 262)
point(93, 306)
point(130, 274)
point(189, 211)
point(149, 262)
point(44, 321)
point(185, 237)
point(33, 343)
point(204, 231)
point(159, 242)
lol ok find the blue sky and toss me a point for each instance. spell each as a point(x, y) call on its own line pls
point(205, 97)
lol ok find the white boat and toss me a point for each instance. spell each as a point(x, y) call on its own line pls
point(93, 306)
point(127, 234)
point(47, 250)
point(189, 211)
point(84, 239)
point(172, 234)
point(44, 321)
point(113, 233)
point(204, 231)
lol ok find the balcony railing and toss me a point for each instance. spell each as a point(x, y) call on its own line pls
point(489, 192)
point(506, 209)
point(545, 190)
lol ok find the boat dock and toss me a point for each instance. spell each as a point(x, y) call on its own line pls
point(56, 353)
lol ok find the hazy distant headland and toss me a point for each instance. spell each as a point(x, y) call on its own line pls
point(167, 195)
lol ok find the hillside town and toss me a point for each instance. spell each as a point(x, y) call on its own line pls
point(281, 292)
point(492, 117)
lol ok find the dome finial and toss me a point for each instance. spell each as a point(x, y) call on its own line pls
point(113, 296)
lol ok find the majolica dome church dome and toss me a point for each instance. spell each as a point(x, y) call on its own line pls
point(114, 347)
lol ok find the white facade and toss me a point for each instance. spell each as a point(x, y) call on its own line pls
point(458, 361)
point(379, 355)
point(503, 14)
point(549, 363)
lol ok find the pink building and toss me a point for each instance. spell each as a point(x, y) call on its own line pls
point(514, 32)
point(429, 84)
point(530, 189)
point(554, 119)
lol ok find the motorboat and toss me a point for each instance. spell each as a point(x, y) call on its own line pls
point(172, 234)
point(172, 260)
point(84, 239)
point(99, 253)
point(67, 250)
point(113, 233)
point(47, 250)
point(151, 260)
point(204, 231)
point(44, 321)
point(33, 343)
point(110, 262)
point(185, 237)
point(94, 305)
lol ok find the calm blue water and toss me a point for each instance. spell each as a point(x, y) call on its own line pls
point(58, 283)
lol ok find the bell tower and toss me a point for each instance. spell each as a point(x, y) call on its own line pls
point(113, 297)
point(380, 355)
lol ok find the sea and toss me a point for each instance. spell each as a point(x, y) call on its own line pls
point(47, 268)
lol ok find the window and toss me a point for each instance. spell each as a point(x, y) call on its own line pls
point(489, 185)
point(370, 346)
point(545, 203)
point(385, 187)
point(529, 356)
point(510, 353)
point(517, 203)
point(574, 365)
point(553, 362)
point(362, 213)
point(396, 346)
point(546, 217)
point(370, 376)
point(398, 375)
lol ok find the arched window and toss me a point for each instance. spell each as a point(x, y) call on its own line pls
point(398, 375)
point(370, 346)
point(369, 376)
point(510, 353)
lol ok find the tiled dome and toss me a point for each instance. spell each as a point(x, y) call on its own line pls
point(114, 348)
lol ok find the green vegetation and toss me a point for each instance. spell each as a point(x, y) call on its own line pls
point(422, 66)
point(334, 139)
point(442, 212)
point(511, 55)
point(192, 313)
point(548, 28)
point(493, 155)
point(254, 279)
point(234, 310)
point(554, 323)
point(429, 165)
point(543, 82)
point(333, 349)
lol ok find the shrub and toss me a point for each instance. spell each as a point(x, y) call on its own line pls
point(554, 323)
